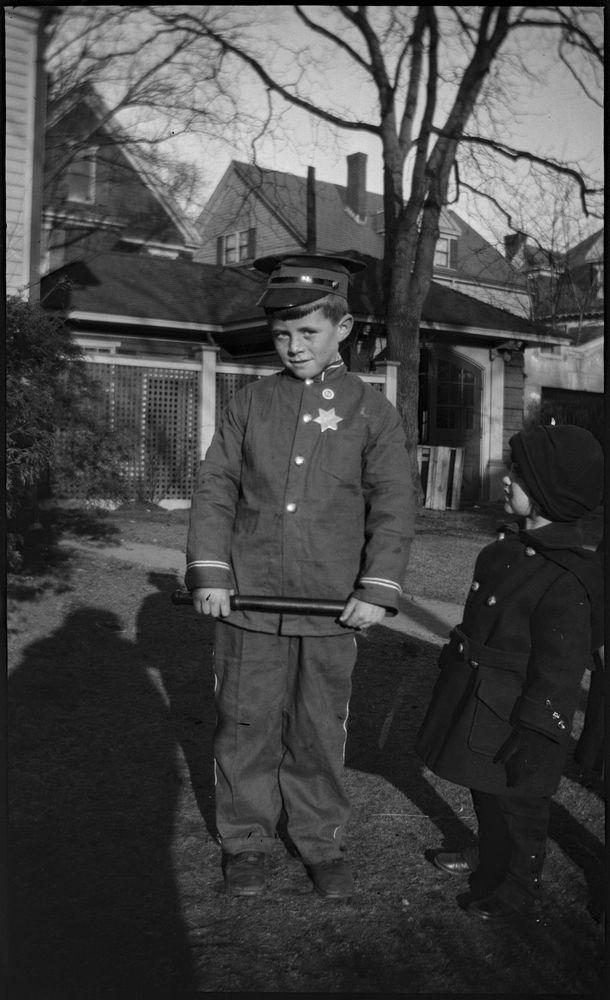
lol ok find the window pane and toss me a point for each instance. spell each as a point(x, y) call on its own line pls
point(442, 395)
point(243, 245)
point(447, 417)
point(230, 248)
point(445, 371)
point(441, 254)
point(80, 177)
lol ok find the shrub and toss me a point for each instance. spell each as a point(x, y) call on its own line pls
point(55, 419)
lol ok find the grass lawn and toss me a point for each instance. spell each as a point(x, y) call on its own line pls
point(115, 882)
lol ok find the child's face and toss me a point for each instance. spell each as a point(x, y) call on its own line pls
point(516, 498)
point(306, 346)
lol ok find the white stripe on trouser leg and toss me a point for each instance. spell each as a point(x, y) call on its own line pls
point(345, 731)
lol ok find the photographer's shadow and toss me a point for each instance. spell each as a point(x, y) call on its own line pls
point(93, 786)
point(179, 644)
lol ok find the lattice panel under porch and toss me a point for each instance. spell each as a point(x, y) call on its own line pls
point(158, 408)
point(227, 384)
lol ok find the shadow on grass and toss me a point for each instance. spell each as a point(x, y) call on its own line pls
point(93, 785)
point(38, 552)
point(188, 679)
point(392, 685)
point(94, 524)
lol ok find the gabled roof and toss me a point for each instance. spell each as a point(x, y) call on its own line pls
point(589, 250)
point(479, 261)
point(152, 289)
point(285, 196)
point(153, 292)
point(444, 306)
point(566, 289)
point(120, 138)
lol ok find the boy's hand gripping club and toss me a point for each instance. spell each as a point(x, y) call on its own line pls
point(281, 605)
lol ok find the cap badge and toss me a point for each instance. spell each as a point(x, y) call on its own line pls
point(328, 420)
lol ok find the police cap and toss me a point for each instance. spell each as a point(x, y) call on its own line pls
point(299, 278)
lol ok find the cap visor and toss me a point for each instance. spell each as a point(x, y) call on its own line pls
point(286, 298)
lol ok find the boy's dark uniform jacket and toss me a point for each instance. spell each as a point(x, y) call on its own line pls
point(305, 491)
point(531, 620)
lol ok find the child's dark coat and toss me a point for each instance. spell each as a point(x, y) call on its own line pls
point(528, 619)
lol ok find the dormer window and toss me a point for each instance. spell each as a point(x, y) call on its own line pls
point(233, 248)
point(80, 177)
point(445, 255)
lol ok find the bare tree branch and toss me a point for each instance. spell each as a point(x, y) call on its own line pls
point(548, 162)
point(332, 37)
point(288, 95)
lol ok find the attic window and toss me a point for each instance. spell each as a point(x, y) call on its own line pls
point(232, 248)
point(80, 176)
point(445, 254)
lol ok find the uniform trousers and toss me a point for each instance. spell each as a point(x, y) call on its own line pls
point(282, 708)
point(511, 847)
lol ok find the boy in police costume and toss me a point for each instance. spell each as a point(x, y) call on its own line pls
point(305, 491)
point(500, 718)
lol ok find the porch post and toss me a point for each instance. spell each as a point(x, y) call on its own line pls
point(389, 369)
point(206, 408)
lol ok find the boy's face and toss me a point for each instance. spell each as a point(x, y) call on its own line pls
point(516, 498)
point(308, 345)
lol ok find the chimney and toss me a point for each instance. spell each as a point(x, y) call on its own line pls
point(356, 185)
point(513, 244)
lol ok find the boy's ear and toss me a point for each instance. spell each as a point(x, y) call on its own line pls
point(344, 327)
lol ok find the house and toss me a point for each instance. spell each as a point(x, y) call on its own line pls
point(565, 382)
point(256, 211)
point(25, 96)
point(99, 194)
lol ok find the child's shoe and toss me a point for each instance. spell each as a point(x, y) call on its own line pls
point(453, 862)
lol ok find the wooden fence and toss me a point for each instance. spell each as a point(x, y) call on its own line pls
point(440, 470)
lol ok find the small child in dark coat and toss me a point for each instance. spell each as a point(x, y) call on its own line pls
point(500, 718)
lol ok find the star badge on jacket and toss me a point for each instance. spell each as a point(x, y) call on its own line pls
point(327, 419)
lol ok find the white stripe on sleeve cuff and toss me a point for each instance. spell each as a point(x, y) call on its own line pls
point(376, 581)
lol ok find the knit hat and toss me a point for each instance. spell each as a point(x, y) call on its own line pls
point(563, 469)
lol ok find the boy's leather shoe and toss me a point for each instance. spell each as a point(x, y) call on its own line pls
point(244, 873)
point(452, 862)
point(493, 907)
point(332, 879)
